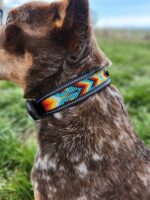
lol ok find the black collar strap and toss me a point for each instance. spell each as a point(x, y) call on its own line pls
point(69, 94)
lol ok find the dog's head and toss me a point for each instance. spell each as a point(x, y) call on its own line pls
point(47, 41)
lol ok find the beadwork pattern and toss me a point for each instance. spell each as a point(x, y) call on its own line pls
point(74, 91)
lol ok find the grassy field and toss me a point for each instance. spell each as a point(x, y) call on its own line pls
point(130, 73)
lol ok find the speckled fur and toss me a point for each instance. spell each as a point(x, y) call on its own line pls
point(90, 151)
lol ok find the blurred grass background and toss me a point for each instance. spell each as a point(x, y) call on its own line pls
point(130, 54)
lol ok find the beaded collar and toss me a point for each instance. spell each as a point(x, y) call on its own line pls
point(69, 94)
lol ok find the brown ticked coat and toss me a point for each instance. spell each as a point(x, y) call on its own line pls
point(90, 151)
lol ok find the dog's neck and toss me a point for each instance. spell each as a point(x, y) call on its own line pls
point(53, 69)
point(98, 126)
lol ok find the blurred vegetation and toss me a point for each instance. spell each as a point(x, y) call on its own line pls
point(130, 54)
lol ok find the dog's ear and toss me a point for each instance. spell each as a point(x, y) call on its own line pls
point(71, 21)
point(72, 14)
point(14, 39)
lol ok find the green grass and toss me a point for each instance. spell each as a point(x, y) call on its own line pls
point(130, 73)
point(17, 148)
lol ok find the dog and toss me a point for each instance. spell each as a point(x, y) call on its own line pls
point(89, 151)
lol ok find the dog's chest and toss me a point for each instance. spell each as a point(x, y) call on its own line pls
point(67, 180)
point(90, 179)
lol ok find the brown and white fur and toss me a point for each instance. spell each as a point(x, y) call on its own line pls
point(87, 152)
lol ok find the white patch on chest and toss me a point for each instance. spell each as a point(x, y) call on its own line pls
point(52, 189)
point(51, 192)
point(82, 169)
point(148, 170)
point(75, 159)
point(49, 196)
point(144, 178)
point(46, 177)
point(39, 163)
point(115, 144)
point(45, 163)
point(52, 164)
point(35, 185)
point(96, 157)
point(50, 125)
point(63, 182)
point(82, 198)
point(61, 168)
point(58, 116)
point(101, 143)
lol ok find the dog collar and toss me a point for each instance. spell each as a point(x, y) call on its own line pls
point(68, 94)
